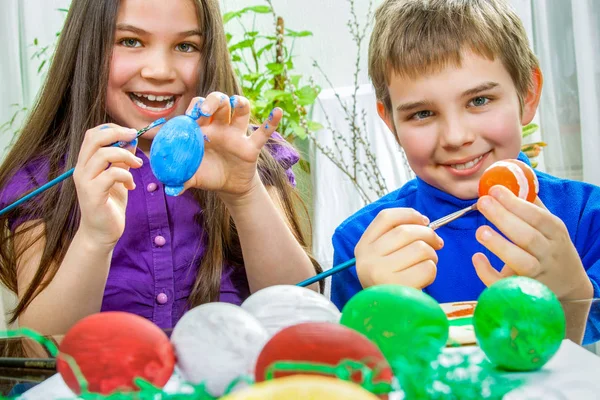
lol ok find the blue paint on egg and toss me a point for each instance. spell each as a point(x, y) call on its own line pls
point(176, 153)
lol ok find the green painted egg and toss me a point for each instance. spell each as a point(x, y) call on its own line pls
point(519, 323)
point(407, 324)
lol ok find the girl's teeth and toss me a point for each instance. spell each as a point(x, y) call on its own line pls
point(467, 165)
point(155, 109)
point(152, 97)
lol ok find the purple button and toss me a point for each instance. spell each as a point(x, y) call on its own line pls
point(160, 241)
point(151, 187)
point(162, 298)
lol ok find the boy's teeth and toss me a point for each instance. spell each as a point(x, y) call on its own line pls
point(467, 165)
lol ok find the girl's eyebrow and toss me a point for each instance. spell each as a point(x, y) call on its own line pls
point(141, 32)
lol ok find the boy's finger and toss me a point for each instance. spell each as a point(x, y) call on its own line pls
point(535, 215)
point(402, 235)
point(519, 260)
point(390, 218)
point(418, 276)
point(488, 274)
point(519, 231)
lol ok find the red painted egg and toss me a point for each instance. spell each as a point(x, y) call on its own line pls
point(112, 349)
point(515, 175)
point(322, 343)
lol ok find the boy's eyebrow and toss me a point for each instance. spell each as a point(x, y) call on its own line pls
point(480, 88)
point(141, 32)
point(413, 105)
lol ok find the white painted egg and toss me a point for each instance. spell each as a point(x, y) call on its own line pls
point(280, 306)
point(216, 343)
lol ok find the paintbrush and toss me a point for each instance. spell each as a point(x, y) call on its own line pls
point(69, 173)
point(433, 225)
point(28, 363)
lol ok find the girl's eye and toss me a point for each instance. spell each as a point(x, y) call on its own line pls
point(130, 42)
point(479, 101)
point(419, 115)
point(186, 47)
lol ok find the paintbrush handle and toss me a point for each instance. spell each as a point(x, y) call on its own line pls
point(451, 217)
point(28, 363)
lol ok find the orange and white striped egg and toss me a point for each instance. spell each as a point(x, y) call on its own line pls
point(515, 175)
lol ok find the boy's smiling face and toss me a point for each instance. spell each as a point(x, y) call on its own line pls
point(455, 123)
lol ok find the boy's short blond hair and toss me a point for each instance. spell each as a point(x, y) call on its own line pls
point(416, 37)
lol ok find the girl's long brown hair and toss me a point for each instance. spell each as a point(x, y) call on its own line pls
point(72, 101)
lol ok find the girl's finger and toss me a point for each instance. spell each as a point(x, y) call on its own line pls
point(103, 136)
point(215, 109)
point(108, 178)
point(103, 159)
point(260, 136)
point(390, 218)
point(240, 117)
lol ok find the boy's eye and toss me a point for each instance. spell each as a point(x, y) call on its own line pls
point(479, 101)
point(186, 47)
point(422, 114)
point(130, 42)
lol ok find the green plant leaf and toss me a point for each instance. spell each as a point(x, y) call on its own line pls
point(304, 165)
point(244, 44)
point(275, 67)
point(231, 15)
point(306, 95)
point(258, 9)
point(263, 49)
point(530, 129)
point(314, 126)
point(291, 33)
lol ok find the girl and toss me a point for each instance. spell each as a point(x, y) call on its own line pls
point(110, 239)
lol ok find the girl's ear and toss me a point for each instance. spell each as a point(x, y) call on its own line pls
point(532, 99)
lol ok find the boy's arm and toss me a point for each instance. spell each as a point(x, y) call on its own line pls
point(344, 284)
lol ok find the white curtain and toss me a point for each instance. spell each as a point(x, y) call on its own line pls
point(567, 42)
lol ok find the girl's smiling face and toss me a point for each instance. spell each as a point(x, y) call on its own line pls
point(155, 64)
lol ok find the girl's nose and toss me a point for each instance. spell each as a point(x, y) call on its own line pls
point(159, 67)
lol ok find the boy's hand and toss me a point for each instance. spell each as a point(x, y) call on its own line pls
point(398, 248)
point(541, 247)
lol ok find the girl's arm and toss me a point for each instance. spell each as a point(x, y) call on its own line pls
point(272, 254)
point(76, 290)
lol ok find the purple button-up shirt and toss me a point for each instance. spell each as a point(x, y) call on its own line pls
point(155, 263)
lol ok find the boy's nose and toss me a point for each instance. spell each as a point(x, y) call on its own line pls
point(455, 134)
point(159, 67)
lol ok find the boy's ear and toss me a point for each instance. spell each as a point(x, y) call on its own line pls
point(388, 119)
point(532, 100)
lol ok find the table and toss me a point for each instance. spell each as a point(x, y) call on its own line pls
point(571, 373)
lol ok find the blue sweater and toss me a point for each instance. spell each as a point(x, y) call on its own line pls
point(577, 204)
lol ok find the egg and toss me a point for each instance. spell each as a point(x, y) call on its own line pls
point(176, 153)
point(324, 344)
point(280, 306)
point(406, 324)
point(519, 323)
point(303, 387)
point(216, 343)
point(111, 349)
point(515, 175)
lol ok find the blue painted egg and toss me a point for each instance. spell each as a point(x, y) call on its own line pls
point(176, 153)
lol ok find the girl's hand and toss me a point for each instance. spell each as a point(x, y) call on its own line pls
point(398, 248)
point(230, 155)
point(538, 245)
point(102, 179)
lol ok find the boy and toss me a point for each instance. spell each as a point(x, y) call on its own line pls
point(455, 82)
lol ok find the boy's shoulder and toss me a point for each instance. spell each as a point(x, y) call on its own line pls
point(354, 226)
